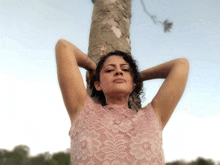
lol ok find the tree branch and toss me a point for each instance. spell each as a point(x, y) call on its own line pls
point(166, 24)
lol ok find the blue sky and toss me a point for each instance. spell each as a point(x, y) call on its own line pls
point(32, 109)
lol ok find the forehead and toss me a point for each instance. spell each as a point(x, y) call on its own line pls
point(114, 60)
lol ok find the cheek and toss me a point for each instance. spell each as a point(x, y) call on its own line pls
point(131, 79)
point(104, 81)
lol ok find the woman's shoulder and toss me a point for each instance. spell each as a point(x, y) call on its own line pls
point(151, 112)
point(89, 104)
point(90, 101)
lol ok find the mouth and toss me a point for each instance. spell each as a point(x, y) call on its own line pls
point(119, 80)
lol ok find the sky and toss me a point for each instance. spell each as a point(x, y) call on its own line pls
point(32, 111)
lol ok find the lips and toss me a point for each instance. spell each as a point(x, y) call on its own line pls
point(119, 80)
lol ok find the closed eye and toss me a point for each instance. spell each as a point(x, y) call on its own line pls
point(126, 70)
point(109, 70)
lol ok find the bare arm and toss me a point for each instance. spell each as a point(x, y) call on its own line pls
point(175, 73)
point(69, 58)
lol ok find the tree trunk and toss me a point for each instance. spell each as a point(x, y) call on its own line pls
point(110, 30)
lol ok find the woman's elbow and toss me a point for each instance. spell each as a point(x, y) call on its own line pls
point(184, 63)
point(63, 46)
point(61, 43)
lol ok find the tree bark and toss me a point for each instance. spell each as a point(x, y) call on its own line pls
point(110, 30)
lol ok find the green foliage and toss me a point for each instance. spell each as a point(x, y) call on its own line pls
point(177, 162)
point(202, 161)
point(39, 159)
point(61, 158)
point(198, 161)
point(13, 158)
point(20, 156)
point(23, 151)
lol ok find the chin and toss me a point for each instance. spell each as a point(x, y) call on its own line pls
point(119, 91)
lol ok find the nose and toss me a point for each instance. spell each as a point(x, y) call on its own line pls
point(118, 71)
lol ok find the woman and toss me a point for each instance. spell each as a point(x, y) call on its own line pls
point(111, 133)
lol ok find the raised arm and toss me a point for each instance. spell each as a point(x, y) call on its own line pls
point(175, 73)
point(69, 58)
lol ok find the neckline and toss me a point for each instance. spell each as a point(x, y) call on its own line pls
point(115, 106)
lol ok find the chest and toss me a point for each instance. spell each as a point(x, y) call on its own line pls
point(107, 124)
point(108, 136)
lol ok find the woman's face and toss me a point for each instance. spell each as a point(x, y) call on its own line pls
point(115, 77)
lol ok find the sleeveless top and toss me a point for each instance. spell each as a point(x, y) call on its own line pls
point(116, 135)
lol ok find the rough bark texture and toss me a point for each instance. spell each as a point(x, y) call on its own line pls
point(110, 29)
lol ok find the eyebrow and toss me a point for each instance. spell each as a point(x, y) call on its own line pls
point(115, 65)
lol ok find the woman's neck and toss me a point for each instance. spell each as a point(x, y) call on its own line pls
point(117, 100)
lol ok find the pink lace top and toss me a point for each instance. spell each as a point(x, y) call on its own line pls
point(116, 135)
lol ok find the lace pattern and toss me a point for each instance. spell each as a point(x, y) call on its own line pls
point(116, 135)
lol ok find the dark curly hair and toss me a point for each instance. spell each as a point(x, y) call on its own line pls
point(134, 73)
